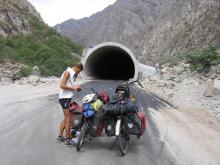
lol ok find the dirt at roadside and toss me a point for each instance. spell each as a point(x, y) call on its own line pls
point(183, 88)
point(202, 116)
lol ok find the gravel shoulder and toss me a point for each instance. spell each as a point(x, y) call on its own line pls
point(11, 92)
point(189, 141)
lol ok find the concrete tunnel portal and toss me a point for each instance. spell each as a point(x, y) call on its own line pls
point(110, 61)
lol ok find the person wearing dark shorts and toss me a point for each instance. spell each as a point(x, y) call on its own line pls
point(67, 88)
point(65, 103)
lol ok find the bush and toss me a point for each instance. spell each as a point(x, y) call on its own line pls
point(202, 60)
point(188, 28)
point(25, 71)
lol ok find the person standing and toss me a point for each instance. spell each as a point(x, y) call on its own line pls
point(67, 88)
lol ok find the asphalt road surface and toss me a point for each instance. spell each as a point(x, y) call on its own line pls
point(29, 129)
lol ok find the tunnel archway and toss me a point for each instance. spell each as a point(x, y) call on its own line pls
point(111, 61)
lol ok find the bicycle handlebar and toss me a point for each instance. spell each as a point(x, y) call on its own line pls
point(114, 102)
point(94, 90)
point(139, 83)
point(97, 94)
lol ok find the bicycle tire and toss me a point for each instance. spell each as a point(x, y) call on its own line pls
point(123, 142)
point(82, 135)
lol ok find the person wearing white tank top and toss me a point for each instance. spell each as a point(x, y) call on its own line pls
point(67, 89)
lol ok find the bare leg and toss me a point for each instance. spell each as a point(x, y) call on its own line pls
point(63, 123)
point(62, 127)
point(68, 123)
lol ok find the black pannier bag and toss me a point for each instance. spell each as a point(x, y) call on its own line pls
point(110, 124)
point(133, 123)
point(77, 122)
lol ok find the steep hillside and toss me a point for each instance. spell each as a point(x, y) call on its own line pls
point(26, 39)
point(155, 30)
point(187, 25)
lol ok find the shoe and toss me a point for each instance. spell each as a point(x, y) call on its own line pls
point(69, 142)
point(60, 139)
point(75, 140)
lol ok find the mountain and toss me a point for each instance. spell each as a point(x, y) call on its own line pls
point(155, 30)
point(12, 19)
point(26, 39)
point(187, 25)
point(125, 22)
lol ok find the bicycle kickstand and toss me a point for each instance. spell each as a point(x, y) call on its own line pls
point(114, 144)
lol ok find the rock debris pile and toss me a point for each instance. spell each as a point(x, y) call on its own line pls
point(186, 89)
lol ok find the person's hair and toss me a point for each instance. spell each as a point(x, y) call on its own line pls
point(78, 65)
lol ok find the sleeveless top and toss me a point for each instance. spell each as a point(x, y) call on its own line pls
point(64, 93)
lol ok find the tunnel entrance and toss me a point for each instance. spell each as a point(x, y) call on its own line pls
point(110, 61)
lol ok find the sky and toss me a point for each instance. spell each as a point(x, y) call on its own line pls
point(57, 11)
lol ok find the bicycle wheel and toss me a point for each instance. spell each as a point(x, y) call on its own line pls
point(123, 141)
point(82, 135)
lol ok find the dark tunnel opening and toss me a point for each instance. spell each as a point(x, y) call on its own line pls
point(110, 63)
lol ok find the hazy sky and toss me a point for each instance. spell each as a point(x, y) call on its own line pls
point(57, 11)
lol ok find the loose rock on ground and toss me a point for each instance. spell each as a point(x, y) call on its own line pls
point(183, 88)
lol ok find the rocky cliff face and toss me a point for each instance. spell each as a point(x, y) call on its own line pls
point(12, 17)
point(155, 30)
point(185, 26)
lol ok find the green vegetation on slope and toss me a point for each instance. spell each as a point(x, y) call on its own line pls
point(25, 71)
point(201, 60)
point(44, 47)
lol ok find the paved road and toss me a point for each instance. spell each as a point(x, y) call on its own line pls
point(29, 129)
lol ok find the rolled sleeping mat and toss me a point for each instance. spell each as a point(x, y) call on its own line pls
point(122, 109)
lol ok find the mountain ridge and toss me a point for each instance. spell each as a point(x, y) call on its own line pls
point(99, 22)
point(136, 24)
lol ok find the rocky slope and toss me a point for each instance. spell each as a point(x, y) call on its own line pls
point(186, 25)
point(187, 90)
point(156, 30)
point(11, 19)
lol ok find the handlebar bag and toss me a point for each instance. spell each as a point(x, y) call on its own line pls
point(124, 88)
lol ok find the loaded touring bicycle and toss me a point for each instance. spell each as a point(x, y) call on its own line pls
point(119, 117)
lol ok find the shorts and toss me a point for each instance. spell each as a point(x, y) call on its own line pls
point(65, 103)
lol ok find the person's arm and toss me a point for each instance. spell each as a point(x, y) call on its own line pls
point(64, 82)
